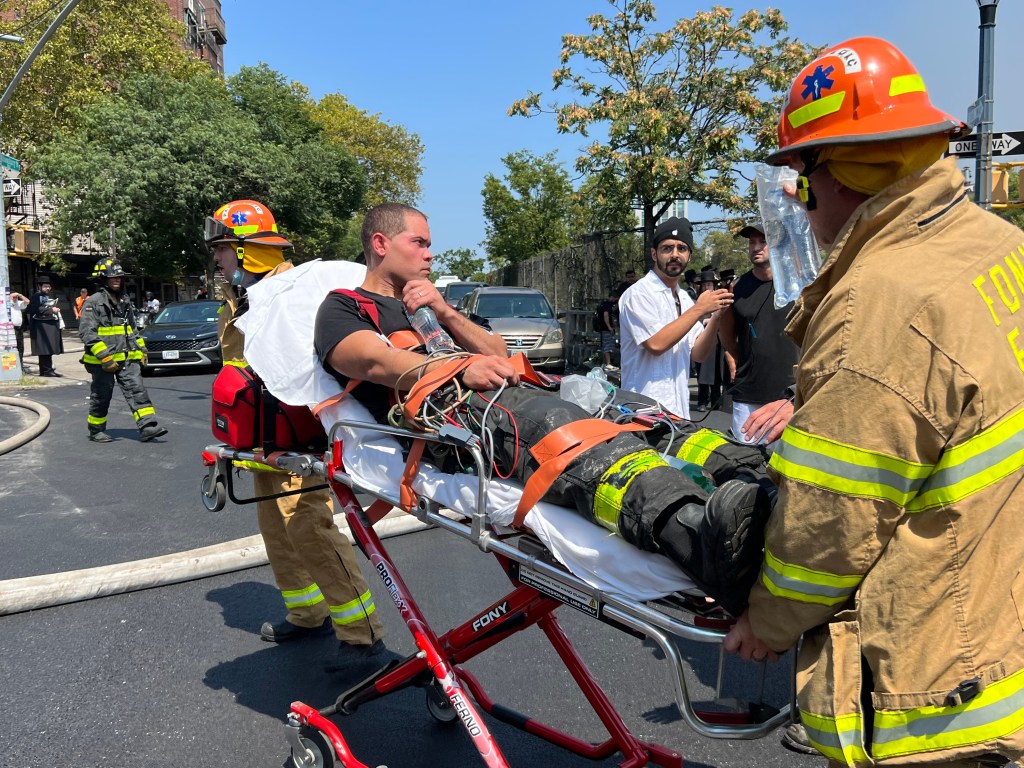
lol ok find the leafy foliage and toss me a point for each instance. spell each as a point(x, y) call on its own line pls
point(100, 44)
point(529, 211)
point(390, 155)
point(459, 261)
point(159, 156)
point(682, 109)
point(723, 250)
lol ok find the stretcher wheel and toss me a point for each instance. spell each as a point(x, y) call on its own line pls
point(318, 751)
point(438, 705)
point(214, 499)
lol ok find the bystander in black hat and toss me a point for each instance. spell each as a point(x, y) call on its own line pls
point(727, 275)
point(690, 275)
point(674, 228)
point(708, 276)
point(41, 279)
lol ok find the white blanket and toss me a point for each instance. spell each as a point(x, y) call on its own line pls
point(279, 345)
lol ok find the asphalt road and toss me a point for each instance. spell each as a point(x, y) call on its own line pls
point(177, 675)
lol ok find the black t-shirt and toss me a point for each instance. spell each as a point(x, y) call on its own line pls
point(606, 306)
point(766, 354)
point(339, 317)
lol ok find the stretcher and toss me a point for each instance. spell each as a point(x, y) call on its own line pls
point(540, 585)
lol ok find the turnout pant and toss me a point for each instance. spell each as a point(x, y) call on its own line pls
point(129, 378)
point(314, 565)
point(716, 534)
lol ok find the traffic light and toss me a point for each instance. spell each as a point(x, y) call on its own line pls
point(28, 241)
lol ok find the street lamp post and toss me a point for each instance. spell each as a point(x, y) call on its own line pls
point(986, 79)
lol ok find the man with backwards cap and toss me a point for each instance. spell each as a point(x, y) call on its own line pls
point(759, 353)
point(660, 326)
point(895, 547)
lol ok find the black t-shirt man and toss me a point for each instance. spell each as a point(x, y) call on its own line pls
point(339, 317)
point(766, 354)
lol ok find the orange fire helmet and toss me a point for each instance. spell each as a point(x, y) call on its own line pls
point(862, 90)
point(243, 221)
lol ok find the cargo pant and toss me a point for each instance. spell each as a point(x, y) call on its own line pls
point(129, 378)
point(314, 565)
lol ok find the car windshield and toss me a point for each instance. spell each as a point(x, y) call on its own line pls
point(189, 314)
point(456, 291)
point(513, 305)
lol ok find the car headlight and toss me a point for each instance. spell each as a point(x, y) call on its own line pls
point(209, 343)
point(552, 337)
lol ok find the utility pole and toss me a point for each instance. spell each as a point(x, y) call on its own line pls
point(986, 93)
point(10, 365)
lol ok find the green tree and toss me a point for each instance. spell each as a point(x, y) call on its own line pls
point(460, 261)
point(391, 156)
point(101, 43)
point(159, 156)
point(529, 211)
point(682, 109)
point(724, 250)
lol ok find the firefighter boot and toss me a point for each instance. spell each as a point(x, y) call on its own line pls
point(720, 543)
point(151, 431)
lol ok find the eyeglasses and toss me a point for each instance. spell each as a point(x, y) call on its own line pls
point(671, 248)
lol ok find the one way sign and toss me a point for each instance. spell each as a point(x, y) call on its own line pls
point(1007, 143)
point(12, 187)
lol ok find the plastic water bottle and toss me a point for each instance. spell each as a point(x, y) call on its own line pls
point(435, 338)
point(792, 249)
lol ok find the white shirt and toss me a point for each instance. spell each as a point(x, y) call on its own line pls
point(645, 308)
point(153, 305)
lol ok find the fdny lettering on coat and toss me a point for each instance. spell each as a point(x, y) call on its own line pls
point(1001, 288)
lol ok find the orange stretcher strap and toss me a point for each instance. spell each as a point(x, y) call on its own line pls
point(432, 381)
point(558, 449)
point(399, 339)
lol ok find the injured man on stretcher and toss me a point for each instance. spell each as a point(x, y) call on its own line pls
point(625, 477)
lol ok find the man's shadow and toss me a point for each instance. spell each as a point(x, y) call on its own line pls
point(270, 679)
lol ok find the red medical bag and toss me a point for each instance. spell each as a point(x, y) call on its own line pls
point(246, 416)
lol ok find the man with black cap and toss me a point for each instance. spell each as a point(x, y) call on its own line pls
point(660, 325)
point(44, 313)
point(753, 331)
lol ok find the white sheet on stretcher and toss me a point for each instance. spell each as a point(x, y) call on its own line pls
point(279, 345)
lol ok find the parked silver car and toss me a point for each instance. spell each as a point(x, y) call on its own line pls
point(524, 319)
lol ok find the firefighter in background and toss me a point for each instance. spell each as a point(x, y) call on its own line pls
point(314, 565)
point(114, 352)
point(896, 545)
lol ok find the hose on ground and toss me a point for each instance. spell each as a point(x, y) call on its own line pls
point(30, 433)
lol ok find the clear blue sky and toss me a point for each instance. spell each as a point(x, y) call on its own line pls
point(449, 70)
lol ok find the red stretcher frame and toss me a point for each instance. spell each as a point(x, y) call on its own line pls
point(539, 587)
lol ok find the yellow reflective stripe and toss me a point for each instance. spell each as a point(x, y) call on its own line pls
point(135, 354)
point(87, 358)
point(699, 446)
point(253, 465)
point(826, 105)
point(110, 330)
point(298, 598)
point(846, 469)
point(805, 585)
point(995, 712)
point(616, 480)
point(140, 341)
point(906, 84)
point(236, 363)
point(353, 610)
point(98, 348)
point(975, 464)
point(96, 420)
point(143, 412)
point(839, 738)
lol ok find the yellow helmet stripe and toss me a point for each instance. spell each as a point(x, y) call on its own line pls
point(902, 84)
point(816, 109)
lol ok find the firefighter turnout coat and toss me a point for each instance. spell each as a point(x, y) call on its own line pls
point(106, 329)
point(897, 541)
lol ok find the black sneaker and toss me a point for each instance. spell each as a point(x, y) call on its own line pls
point(351, 657)
point(100, 437)
point(152, 431)
point(284, 631)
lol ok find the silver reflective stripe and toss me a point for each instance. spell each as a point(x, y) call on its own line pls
point(847, 470)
